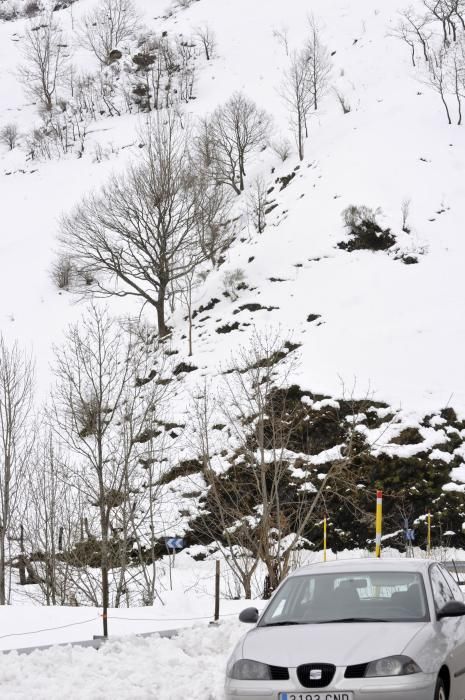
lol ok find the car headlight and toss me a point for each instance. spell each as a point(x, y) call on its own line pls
point(246, 670)
point(392, 666)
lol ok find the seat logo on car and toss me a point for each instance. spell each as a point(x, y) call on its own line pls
point(316, 674)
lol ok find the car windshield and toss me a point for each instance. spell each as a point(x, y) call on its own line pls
point(372, 596)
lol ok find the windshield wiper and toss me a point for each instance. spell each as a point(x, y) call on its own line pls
point(282, 623)
point(352, 619)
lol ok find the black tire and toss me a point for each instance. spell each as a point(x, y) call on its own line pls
point(440, 693)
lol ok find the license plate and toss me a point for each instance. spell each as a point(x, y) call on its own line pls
point(322, 695)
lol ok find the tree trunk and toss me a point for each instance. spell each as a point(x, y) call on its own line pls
point(2, 567)
point(446, 107)
point(163, 329)
point(190, 331)
point(104, 568)
point(6, 476)
point(301, 141)
point(247, 586)
point(241, 173)
point(21, 561)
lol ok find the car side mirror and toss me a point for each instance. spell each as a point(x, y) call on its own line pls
point(454, 608)
point(251, 615)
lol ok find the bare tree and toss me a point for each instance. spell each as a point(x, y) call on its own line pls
point(16, 439)
point(185, 54)
point(319, 64)
point(51, 521)
point(444, 11)
point(191, 282)
point(444, 56)
point(296, 92)
point(402, 32)
point(105, 411)
point(230, 135)
point(459, 10)
point(9, 135)
point(232, 539)
point(92, 370)
point(107, 26)
point(46, 59)
point(282, 147)
point(457, 74)
point(142, 230)
point(281, 35)
point(415, 29)
point(405, 210)
point(253, 511)
point(439, 76)
point(207, 38)
point(257, 198)
point(213, 214)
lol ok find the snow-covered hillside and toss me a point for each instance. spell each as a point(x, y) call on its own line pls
point(393, 330)
point(366, 325)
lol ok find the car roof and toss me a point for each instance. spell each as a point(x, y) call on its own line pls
point(366, 564)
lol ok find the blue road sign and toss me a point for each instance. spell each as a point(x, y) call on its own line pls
point(410, 535)
point(174, 542)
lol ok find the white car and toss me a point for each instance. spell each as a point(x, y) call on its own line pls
point(366, 629)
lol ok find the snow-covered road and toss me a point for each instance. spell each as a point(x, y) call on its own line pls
point(190, 666)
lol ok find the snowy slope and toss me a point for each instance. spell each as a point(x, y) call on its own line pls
point(392, 329)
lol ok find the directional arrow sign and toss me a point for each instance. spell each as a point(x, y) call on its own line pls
point(174, 543)
point(410, 534)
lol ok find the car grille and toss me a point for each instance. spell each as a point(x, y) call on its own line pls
point(356, 671)
point(327, 675)
point(279, 673)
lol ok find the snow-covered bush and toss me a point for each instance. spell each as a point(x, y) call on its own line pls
point(61, 272)
point(31, 8)
point(282, 147)
point(183, 4)
point(343, 101)
point(233, 281)
point(364, 230)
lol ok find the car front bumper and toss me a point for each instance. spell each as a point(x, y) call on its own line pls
point(419, 686)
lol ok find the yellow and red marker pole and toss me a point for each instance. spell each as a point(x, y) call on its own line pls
point(379, 521)
point(324, 539)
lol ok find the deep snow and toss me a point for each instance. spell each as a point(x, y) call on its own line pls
point(189, 666)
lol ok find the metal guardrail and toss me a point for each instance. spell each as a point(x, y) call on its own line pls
point(93, 643)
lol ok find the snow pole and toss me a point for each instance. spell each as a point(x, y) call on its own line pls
point(324, 539)
point(379, 521)
point(428, 546)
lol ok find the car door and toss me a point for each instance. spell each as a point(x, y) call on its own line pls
point(453, 585)
point(458, 595)
point(451, 630)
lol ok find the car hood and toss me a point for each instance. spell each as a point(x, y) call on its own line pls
point(341, 644)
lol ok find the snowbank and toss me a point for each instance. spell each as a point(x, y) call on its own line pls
point(191, 666)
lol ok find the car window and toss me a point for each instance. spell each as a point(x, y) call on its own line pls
point(442, 593)
point(453, 585)
point(301, 595)
point(368, 596)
